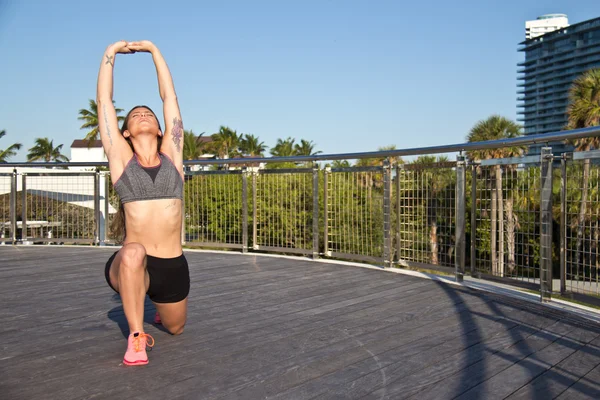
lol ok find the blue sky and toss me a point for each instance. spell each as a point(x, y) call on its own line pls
point(349, 75)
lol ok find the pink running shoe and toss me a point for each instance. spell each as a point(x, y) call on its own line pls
point(157, 319)
point(136, 348)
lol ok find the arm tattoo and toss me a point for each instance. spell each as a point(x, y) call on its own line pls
point(106, 123)
point(177, 133)
point(109, 60)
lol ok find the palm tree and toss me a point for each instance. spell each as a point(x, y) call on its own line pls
point(584, 111)
point(370, 162)
point(192, 147)
point(226, 142)
point(340, 164)
point(434, 179)
point(305, 148)
point(249, 145)
point(284, 148)
point(90, 120)
point(44, 150)
point(496, 128)
point(376, 179)
point(10, 151)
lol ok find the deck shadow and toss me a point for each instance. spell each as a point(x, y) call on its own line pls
point(117, 315)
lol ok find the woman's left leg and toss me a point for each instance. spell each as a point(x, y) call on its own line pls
point(173, 315)
point(169, 289)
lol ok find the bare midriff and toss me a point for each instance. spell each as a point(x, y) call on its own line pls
point(155, 224)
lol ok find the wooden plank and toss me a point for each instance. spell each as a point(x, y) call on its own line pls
point(470, 373)
point(325, 373)
point(587, 387)
point(76, 372)
point(402, 332)
point(364, 381)
point(444, 380)
point(561, 376)
point(523, 371)
point(260, 337)
point(270, 326)
point(103, 285)
point(211, 323)
point(203, 354)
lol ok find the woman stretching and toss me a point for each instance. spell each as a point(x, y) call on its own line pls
point(146, 168)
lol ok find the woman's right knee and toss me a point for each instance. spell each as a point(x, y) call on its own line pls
point(132, 257)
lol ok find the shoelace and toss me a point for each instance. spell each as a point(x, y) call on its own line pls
point(137, 341)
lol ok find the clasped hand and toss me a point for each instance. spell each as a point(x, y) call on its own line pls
point(125, 47)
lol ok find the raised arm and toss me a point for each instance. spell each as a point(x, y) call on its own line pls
point(172, 144)
point(116, 148)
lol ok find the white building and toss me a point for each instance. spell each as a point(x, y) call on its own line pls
point(81, 152)
point(544, 24)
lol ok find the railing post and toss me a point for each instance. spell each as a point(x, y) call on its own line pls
point(97, 213)
point(183, 214)
point(24, 209)
point(254, 212)
point(473, 217)
point(326, 251)
point(387, 213)
point(398, 213)
point(563, 224)
point(459, 260)
point(106, 204)
point(546, 160)
point(494, 222)
point(244, 210)
point(13, 206)
point(500, 207)
point(315, 211)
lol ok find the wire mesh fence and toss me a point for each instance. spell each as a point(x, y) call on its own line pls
point(425, 213)
point(111, 207)
point(582, 227)
point(482, 212)
point(354, 213)
point(57, 207)
point(506, 221)
point(404, 214)
point(5, 208)
point(213, 205)
point(519, 206)
point(283, 210)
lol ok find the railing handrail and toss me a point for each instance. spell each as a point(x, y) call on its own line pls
point(543, 138)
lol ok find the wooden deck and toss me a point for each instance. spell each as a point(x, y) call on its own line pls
point(280, 328)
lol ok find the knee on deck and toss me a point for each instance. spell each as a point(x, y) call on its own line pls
point(176, 330)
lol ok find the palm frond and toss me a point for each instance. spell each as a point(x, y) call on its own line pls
point(584, 107)
point(89, 117)
point(44, 150)
point(494, 127)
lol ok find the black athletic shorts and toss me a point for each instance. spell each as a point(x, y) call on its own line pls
point(169, 278)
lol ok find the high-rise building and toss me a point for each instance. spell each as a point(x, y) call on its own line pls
point(552, 62)
point(545, 24)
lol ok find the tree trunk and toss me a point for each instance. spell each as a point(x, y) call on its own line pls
point(500, 220)
point(579, 256)
point(433, 238)
point(510, 233)
point(493, 231)
point(595, 250)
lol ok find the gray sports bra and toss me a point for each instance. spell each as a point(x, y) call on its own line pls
point(149, 183)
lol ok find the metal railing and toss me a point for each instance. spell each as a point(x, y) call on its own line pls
point(531, 221)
